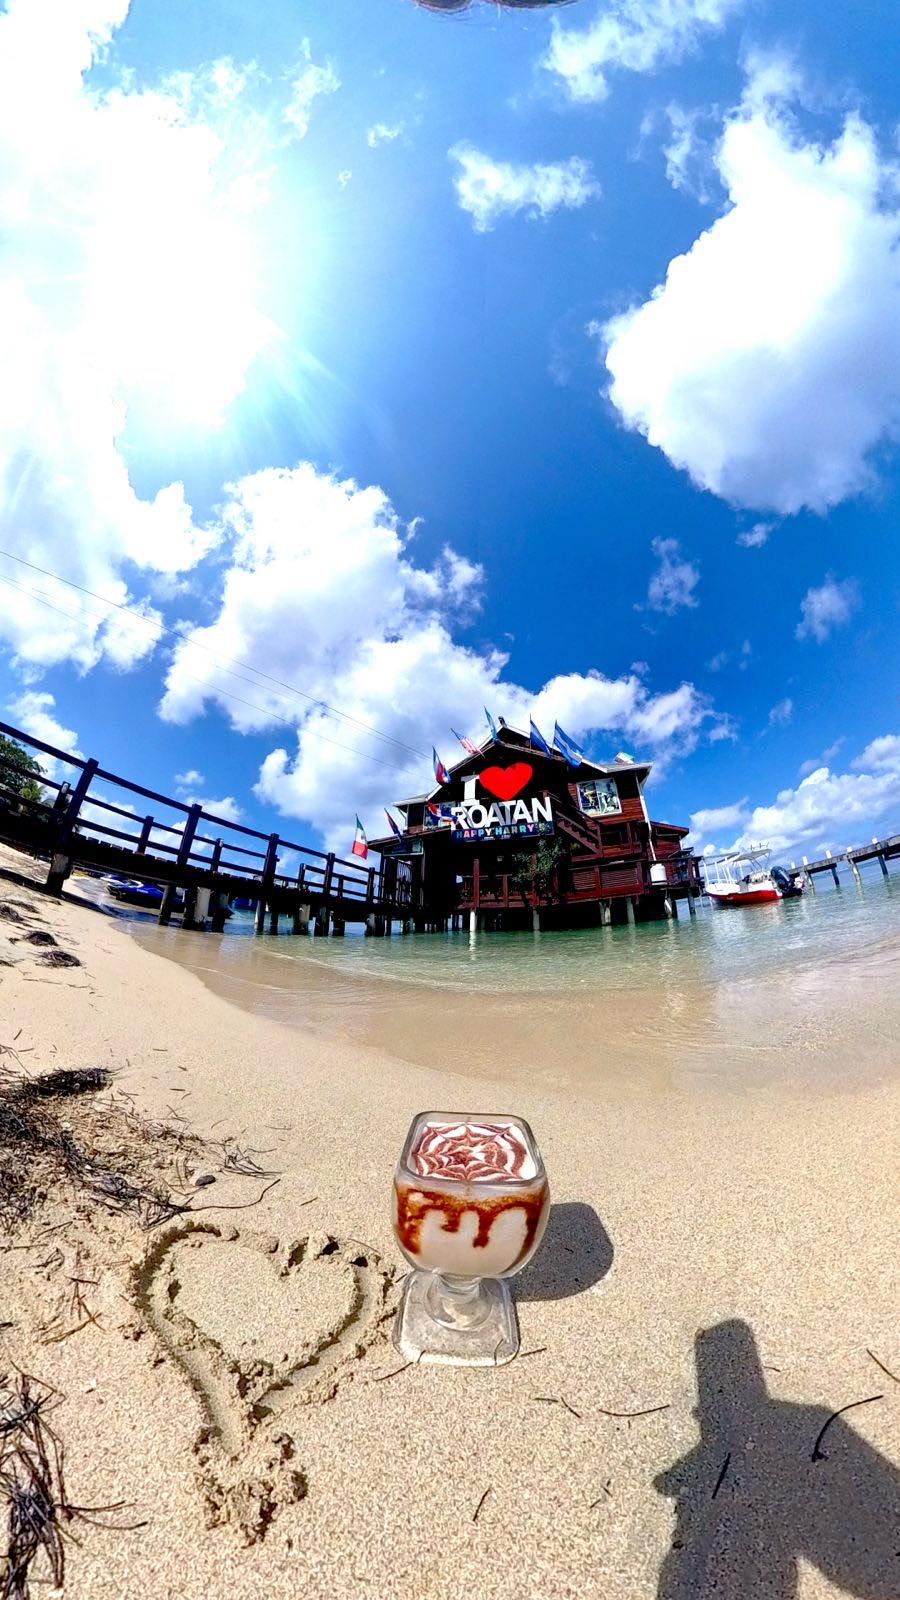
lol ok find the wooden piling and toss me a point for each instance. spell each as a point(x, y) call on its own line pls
point(167, 905)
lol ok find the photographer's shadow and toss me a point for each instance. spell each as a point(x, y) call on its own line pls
point(765, 1487)
point(576, 1252)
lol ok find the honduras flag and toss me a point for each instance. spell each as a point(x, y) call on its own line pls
point(566, 746)
point(538, 740)
point(491, 723)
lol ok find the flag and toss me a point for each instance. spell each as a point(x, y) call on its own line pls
point(538, 740)
point(491, 723)
point(467, 744)
point(440, 771)
point(567, 746)
point(625, 758)
point(430, 806)
point(397, 832)
point(359, 846)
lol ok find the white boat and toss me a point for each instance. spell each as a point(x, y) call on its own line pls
point(740, 878)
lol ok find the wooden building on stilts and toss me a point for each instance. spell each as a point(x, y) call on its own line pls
point(521, 837)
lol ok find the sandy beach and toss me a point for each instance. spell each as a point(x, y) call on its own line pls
point(719, 1276)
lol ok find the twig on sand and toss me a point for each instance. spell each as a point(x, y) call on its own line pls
point(721, 1478)
point(558, 1400)
point(242, 1205)
point(537, 1351)
point(395, 1372)
point(886, 1370)
point(818, 1454)
point(607, 1491)
point(647, 1412)
point(481, 1503)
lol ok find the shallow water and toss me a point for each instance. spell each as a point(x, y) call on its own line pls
point(803, 991)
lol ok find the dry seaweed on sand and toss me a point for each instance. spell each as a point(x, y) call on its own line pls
point(33, 1490)
point(56, 1143)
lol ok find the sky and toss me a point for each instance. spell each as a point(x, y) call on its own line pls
point(356, 377)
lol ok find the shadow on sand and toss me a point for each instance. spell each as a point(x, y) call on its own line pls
point(765, 1488)
point(576, 1252)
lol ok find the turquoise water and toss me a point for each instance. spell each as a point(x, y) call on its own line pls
point(834, 925)
point(800, 991)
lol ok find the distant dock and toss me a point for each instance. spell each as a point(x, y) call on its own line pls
point(880, 850)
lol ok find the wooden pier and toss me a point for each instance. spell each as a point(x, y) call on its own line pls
point(210, 859)
point(880, 850)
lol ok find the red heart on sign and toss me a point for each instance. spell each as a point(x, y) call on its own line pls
point(506, 782)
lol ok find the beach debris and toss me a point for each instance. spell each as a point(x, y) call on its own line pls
point(316, 1311)
point(886, 1370)
point(38, 936)
point(32, 1486)
point(648, 1411)
point(722, 1475)
point(382, 1377)
point(53, 1140)
point(477, 1512)
point(557, 1400)
point(606, 1494)
point(818, 1454)
point(538, 1350)
point(58, 958)
point(204, 1179)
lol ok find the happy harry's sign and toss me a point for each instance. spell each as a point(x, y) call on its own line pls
point(501, 819)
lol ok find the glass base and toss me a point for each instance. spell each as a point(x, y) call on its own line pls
point(456, 1322)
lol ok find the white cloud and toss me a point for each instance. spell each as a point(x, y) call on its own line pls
point(630, 36)
point(829, 606)
point(781, 713)
point(489, 189)
point(715, 818)
point(227, 808)
point(767, 365)
point(383, 133)
point(323, 592)
point(127, 284)
point(33, 712)
point(840, 807)
point(308, 82)
point(673, 583)
point(344, 177)
point(754, 538)
point(192, 779)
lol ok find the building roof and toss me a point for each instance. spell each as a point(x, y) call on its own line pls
point(516, 739)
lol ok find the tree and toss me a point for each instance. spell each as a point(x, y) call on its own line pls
point(27, 786)
point(538, 871)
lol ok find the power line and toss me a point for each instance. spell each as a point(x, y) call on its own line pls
point(192, 644)
point(266, 711)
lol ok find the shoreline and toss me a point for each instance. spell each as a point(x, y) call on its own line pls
point(674, 1212)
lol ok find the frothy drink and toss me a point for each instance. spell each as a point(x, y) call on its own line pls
point(470, 1195)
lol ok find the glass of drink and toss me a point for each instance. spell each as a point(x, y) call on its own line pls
point(470, 1206)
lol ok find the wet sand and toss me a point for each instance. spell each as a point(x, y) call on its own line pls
point(721, 1260)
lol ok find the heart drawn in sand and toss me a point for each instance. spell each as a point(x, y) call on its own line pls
point(506, 782)
point(258, 1326)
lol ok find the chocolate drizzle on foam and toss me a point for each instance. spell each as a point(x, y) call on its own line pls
point(471, 1152)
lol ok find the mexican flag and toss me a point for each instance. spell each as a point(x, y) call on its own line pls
point(360, 847)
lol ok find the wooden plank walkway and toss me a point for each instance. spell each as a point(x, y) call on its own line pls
point(210, 859)
point(880, 850)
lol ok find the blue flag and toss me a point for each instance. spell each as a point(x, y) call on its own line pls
point(566, 746)
point(538, 740)
point(491, 723)
point(394, 829)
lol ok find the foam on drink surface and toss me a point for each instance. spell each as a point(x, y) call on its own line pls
point(472, 1152)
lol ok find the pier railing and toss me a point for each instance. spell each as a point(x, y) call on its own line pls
point(73, 822)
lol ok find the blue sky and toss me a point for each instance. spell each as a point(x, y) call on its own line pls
point(547, 360)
